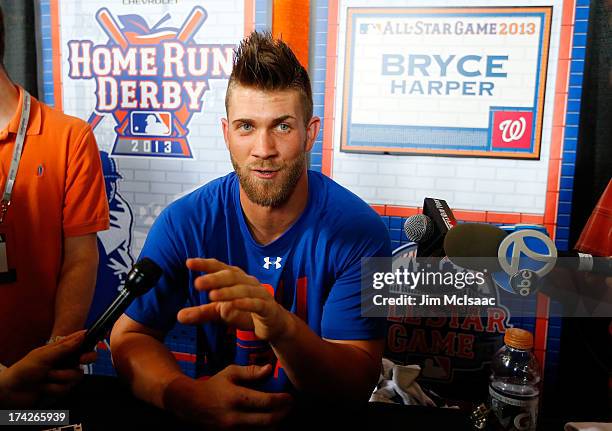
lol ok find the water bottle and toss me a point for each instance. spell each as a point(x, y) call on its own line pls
point(514, 385)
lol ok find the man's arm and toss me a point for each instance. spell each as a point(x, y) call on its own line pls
point(332, 369)
point(76, 283)
point(140, 356)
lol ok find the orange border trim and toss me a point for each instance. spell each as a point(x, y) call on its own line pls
point(463, 215)
point(543, 75)
point(327, 158)
point(249, 16)
point(291, 23)
point(361, 149)
point(56, 54)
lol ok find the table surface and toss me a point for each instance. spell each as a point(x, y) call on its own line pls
point(106, 403)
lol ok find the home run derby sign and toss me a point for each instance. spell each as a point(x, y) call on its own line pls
point(150, 77)
point(460, 81)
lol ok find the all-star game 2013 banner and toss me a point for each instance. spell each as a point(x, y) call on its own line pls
point(448, 81)
point(150, 77)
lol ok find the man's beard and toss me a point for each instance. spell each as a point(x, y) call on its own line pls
point(274, 192)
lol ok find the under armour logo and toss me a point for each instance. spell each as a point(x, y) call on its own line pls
point(512, 130)
point(268, 262)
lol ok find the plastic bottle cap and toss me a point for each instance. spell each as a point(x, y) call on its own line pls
point(518, 339)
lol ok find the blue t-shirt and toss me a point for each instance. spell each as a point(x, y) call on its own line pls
point(314, 267)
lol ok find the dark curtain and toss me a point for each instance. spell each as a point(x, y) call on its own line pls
point(583, 391)
point(594, 154)
point(20, 43)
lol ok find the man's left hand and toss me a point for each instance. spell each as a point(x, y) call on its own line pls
point(236, 298)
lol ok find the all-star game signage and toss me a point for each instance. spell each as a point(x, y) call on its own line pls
point(457, 81)
point(151, 78)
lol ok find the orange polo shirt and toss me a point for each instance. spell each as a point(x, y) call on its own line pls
point(59, 192)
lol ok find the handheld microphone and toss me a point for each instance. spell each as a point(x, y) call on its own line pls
point(428, 229)
point(143, 276)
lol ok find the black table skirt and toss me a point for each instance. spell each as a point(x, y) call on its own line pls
point(102, 403)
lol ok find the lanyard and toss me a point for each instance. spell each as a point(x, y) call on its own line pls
point(10, 181)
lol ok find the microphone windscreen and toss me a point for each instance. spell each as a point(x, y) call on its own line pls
point(474, 246)
point(144, 275)
point(418, 228)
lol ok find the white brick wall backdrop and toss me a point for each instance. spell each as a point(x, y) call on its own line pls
point(150, 184)
point(466, 183)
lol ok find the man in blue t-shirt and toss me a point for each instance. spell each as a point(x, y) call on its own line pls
point(268, 260)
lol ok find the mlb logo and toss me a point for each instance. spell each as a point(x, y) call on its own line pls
point(151, 123)
point(512, 130)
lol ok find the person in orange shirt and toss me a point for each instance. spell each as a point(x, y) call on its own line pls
point(52, 205)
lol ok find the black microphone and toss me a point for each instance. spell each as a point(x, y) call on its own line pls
point(143, 276)
point(518, 262)
point(467, 242)
point(428, 229)
point(586, 262)
point(474, 246)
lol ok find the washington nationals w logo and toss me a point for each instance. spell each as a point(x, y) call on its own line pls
point(512, 130)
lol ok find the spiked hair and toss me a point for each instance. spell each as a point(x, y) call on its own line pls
point(268, 64)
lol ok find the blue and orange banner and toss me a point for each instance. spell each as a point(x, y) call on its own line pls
point(150, 78)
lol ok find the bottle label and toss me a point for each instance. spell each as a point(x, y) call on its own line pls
point(514, 413)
